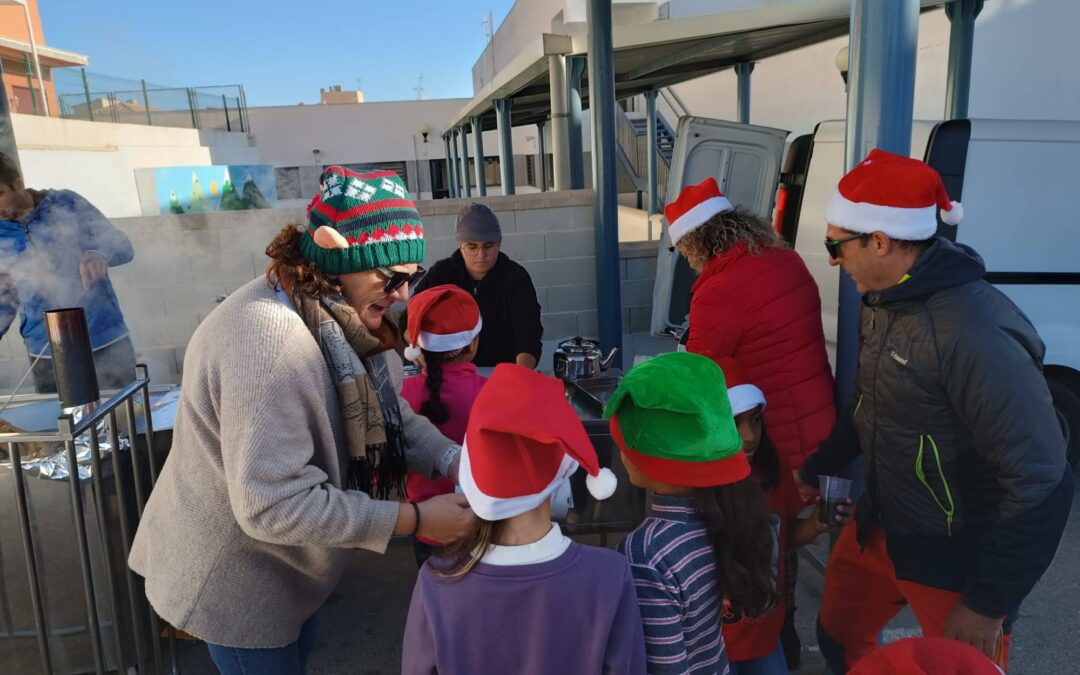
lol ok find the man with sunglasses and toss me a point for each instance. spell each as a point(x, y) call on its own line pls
point(968, 489)
point(504, 290)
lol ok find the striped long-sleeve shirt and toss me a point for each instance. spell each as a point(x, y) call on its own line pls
point(675, 576)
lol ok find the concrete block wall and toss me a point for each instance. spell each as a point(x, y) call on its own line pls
point(550, 234)
point(637, 262)
point(185, 263)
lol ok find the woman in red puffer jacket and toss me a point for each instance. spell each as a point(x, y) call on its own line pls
point(755, 301)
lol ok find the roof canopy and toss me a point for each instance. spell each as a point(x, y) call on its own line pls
point(661, 53)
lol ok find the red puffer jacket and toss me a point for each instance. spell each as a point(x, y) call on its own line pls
point(764, 310)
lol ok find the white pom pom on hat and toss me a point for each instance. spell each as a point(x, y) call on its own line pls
point(412, 353)
point(953, 215)
point(602, 485)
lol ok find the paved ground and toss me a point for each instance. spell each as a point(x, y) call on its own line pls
point(362, 624)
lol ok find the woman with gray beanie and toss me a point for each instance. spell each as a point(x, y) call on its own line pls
point(504, 290)
point(291, 437)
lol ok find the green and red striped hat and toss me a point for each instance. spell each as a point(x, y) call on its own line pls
point(671, 417)
point(375, 215)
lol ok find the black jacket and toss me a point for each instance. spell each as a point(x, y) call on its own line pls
point(965, 462)
point(507, 302)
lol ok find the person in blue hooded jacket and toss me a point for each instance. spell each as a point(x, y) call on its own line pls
point(56, 249)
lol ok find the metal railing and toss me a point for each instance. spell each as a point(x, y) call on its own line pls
point(133, 621)
point(633, 149)
point(100, 98)
point(674, 102)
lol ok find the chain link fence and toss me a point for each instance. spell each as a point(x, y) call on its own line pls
point(100, 98)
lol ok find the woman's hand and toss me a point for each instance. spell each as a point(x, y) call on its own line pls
point(446, 518)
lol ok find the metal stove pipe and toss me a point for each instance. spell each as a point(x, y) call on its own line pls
point(72, 357)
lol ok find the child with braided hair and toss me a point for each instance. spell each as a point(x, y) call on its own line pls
point(444, 327)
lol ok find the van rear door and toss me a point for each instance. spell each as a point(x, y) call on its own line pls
point(745, 160)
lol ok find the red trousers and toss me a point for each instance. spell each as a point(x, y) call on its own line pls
point(862, 594)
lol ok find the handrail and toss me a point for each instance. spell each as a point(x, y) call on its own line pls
point(674, 102)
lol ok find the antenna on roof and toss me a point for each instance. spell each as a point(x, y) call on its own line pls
point(419, 88)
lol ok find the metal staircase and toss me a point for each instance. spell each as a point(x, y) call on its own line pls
point(665, 135)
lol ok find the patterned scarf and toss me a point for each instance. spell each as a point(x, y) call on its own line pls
point(369, 403)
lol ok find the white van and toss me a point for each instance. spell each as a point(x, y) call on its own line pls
point(1013, 177)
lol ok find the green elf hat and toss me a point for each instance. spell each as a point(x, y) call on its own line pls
point(375, 217)
point(671, 417)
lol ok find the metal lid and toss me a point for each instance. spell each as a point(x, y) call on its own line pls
point(579, 345)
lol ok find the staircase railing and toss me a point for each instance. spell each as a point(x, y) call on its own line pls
point(633, 154)
point(675, 102)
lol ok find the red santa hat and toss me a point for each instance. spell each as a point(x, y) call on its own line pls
point(442, 319)
point(695, 205)
point(743, 395)
point(926, 656)
point(522, 442)
point(893, 194)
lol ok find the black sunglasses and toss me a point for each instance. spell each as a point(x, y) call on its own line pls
point(395, 280)
point(833, 245)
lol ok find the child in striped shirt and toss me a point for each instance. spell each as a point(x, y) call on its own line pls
point(709, 534)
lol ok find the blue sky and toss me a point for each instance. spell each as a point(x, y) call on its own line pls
point(281, 51)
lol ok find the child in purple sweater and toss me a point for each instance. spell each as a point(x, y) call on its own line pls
point(518, 596)
point(709, 534)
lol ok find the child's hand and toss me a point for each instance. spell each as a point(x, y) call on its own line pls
point(845, 513)
point(446, 518)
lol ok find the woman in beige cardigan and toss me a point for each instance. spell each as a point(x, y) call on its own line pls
point(290, 437)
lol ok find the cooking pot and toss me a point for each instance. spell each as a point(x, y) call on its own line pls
point(578, 359)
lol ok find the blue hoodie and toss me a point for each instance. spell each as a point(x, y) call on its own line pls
point(39, 268)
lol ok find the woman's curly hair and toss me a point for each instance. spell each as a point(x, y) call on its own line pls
point(289, 264)
point(724, 231)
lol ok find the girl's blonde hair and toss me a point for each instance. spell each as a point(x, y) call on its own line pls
point(465, 553)
point(726, 230)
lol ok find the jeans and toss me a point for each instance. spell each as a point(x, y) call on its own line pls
point(288, 660)
point(773, 664)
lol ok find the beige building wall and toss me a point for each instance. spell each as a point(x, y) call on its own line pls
point(335, 95)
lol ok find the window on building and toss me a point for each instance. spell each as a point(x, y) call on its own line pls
point(492, 175)
point(288, 182)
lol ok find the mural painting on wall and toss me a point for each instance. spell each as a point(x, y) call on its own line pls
point(199, 189)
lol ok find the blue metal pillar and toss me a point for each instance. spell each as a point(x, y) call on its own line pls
point(742, 72)
point(478, 153)
point(451, 164)
point(506, 145)
point(465, 161)
point(543, 154)
point(575, 68)
point(962, 14)
point(652, 141)
point(605, 176)
point(881, 101)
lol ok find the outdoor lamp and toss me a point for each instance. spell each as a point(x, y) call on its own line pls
point(424, 130)
point(842, 62)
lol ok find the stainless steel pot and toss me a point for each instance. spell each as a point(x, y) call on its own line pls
point(578, 359)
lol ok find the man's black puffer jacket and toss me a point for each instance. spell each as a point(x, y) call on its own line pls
point(965, 460)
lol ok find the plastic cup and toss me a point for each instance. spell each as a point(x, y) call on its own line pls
point(834, 492)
